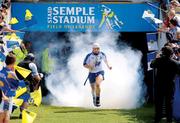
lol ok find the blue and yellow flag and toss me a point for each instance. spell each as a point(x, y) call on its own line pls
point(29, 18)
point(28, 117)
point(24, 72)
point(28, 15)
point(14, 36)
point(36, 96)
point(20, 91)
point(12, 44)
point(13, 21)
point(2, 57)
point(17, 102)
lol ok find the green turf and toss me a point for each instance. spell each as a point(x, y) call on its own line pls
point(51, 114)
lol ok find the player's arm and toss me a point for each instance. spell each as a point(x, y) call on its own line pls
point(106, 62)
point(87, 64)
point(6, 29)
point(4, 97)
point(35, 73)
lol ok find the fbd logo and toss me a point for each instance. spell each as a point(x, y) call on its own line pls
point(109, 19)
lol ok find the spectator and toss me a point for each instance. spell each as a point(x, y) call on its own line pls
point(34, 78)
point(4, 8)
point(20, 53)
point(171, 34)
point(166, 68)
point(174, 4)
point(171, 15)
point(3, 26)
point(7, 72)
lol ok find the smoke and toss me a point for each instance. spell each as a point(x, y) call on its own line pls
point(123, 86)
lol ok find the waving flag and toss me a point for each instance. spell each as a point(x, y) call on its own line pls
point(36, 97)
point(17, 102)
point(14, 36)
point(28, 117)
point(12, 44)
point(2, 57)
point(24, 72)
point(29, 18)
point(150, 18)
point(13, 21)
point(12, 41)
point(148, 14)
point(20, 91)
point(28, 15)
point(20, 34)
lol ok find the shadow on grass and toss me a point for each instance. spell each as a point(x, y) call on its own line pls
point(84, 110)
point(144, 114)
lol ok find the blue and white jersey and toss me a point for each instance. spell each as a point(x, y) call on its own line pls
point(95, 61)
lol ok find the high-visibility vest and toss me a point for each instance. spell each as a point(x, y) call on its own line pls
point(20, 55)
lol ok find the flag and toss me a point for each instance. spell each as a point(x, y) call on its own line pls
point(14, 36)
point(7, 36)
point(148, 14)
point(11, 93)
point(13, 21)
point(28, 117)
point(28, 15)
point(24, 72)
point(17, 102)
point(20, 91)
point(152, 41)
point(20, 35)
point(150, 18)
point(157, 21)
point(2, 57)
point(12, 44)
point(36, 97)
point(29, 18)
point(2, 49)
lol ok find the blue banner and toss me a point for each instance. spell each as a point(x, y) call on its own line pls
point(61, 17)
point(152, 41)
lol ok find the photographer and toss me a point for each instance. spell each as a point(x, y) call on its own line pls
point(166, 68)
point(33, 79)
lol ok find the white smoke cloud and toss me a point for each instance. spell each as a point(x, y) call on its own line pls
point(123, 86)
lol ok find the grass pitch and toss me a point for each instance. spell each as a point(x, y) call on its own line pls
point(52, 114)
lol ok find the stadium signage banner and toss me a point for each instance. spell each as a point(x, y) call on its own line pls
point(61, 17)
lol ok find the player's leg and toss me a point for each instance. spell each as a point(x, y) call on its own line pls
point(93, 91)
point(92, 80)
point(7, 117)
point(25, 97)
point(99, 79)
point(2, 117)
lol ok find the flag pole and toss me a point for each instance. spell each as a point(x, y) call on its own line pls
point(156, 7)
